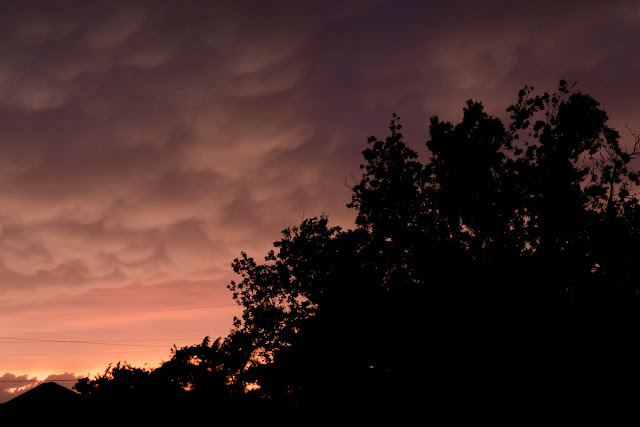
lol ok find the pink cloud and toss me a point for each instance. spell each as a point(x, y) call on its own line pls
point(143, 147)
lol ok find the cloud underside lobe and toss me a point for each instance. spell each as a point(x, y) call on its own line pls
point(190, 129)
point(144, 144)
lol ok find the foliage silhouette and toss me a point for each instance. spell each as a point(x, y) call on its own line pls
point(495, 281)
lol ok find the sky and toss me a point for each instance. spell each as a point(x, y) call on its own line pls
point(145, 144)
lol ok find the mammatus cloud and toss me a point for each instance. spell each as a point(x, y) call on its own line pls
point(144, 144)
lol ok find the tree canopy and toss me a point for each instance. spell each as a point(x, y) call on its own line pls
point(497, 279)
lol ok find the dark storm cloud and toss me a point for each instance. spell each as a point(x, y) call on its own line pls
point(146, 143)
point(141, 115)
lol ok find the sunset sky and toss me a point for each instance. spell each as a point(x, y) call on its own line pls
point(144, 144)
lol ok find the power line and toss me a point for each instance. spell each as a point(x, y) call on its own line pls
point(77, 353)
point(33, 381)
point(81, 342)
point(131, 340)
point(112, 332)
point(120, 312)
point(142, 294)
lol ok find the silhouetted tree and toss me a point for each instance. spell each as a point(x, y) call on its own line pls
point(280, 295)
point(209, 370)
point(207, 375)
point(470, 279)
point(120, 382)
point(497, 281)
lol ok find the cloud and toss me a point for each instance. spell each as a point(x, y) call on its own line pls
point(116, 26)
point(12, 385)
point(144, 145)
point(66, 379)
point(144, 117)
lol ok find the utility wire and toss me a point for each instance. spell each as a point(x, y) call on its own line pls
point(34, 381)
point(111, 332)
point(142, 294)
point(81, 342)
point(77, 353)
point(120, 312)
point(136, 340)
